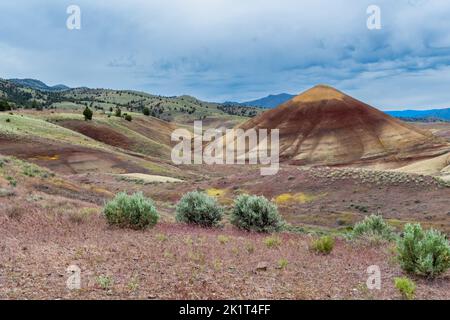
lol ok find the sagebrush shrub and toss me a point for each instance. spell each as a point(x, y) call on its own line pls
point(323, 245)
point(373, 227)
point(256, 213)
point(131, 211)
point(406, 287)
point(200, 209)
point(425, 253)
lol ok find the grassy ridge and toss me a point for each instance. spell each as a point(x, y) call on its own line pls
point(182, 109)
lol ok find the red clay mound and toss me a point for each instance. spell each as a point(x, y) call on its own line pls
point(324, 126)
point(98, 132)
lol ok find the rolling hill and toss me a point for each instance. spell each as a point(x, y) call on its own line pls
point(181, 109)
point(65, 143)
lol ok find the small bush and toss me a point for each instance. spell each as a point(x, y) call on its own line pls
point(253, 213)
point(272, 242)
point(105, 282)
point(128, 117)
point(373, 227)
point(425, 253)
point(283, 263)
point(135, 211)
point(223, 239)
point(146, 111)
point(12, 181)
point(323, 245)
point(31, 170)
point(200, 209)
point(406, 287)
point(4, 106)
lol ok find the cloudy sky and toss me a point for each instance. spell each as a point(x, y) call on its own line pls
point(237, 50)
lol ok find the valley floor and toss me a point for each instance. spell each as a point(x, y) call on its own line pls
point(48, 223)
point(179, 262)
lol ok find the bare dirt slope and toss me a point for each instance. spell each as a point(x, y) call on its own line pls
point(66, 159)
point(146, 135)
point(67, 145)
point(323, 126)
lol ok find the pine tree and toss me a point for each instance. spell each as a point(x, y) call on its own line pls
point(87, 113)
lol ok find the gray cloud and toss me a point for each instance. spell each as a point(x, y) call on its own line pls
point(235, 50)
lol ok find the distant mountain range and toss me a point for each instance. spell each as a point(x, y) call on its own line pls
point(422, 114)
point(272, 101)
point(269, 102)
point(38, 85)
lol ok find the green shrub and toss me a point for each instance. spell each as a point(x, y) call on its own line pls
point(253, 213)
point(128, 117)
point(323, 245)
point(272, 242)
point(200, 209)
point(146, 111)
point(406, 287)
point(4, 106)
point(135, 211)
point(31, 170)
point(373, 227)
point(12, 181)
point(105, 282)
point(283, 263)
point(425, 253)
